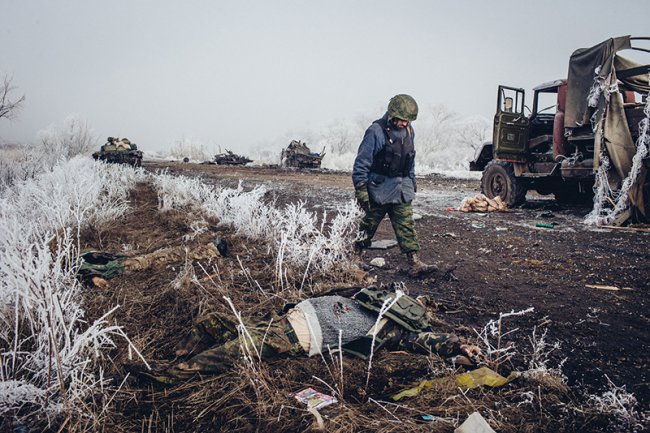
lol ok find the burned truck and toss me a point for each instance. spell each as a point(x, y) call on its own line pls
point(230, 158)
point(298, 155)
point(119, 151)
point(580, 137)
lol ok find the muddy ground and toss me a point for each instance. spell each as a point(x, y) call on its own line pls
point(588, 287)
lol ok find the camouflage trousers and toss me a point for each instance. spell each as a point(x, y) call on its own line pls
point(401, 218)
point(218, 344)
point(394, 337)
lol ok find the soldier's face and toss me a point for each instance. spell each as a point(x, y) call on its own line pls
point(401, 123)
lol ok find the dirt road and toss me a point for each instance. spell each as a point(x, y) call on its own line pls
point(588, 286)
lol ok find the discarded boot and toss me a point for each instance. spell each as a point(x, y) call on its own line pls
point(417, 267)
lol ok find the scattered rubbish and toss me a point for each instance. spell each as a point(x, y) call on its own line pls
point(424, 384)
point(452, 209)
point(501, 229)
point(427, 417)
point(481, 203)
point(545, 225)
point(474, 423)
point(602, 287)
point(378, 262)
point(383, 244)
point(417, 216)
point(471, 379)
point(478, 225)
point(546, 214)
point(483, 376)
point(314, 399)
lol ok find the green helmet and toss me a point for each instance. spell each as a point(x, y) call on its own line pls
point(403, 107)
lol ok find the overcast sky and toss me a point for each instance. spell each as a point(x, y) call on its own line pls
point(240, 74)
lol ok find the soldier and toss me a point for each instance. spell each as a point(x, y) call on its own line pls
point(384, 179)
point(314, 326)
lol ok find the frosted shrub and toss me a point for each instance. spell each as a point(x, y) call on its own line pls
point(245, 211)
point(178, 192)
point(541, 350)
point(492, 335)
point(50, 352)
point(618, 404)
point(74, 137)
point(191, 149)
point(300, 243)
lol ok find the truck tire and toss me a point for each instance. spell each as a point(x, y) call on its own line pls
point(499, 180)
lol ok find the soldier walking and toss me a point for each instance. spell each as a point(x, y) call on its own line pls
point(384, 179)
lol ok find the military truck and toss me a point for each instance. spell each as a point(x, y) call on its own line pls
point(119, 151)
point(588, 122)
point(229, 158)
point(297, 154)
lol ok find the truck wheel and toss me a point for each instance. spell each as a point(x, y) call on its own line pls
point(499, 180)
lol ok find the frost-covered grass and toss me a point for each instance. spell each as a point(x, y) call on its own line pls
point(300, 241)
point(50, 351)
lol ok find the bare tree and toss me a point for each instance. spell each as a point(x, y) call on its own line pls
point(474, 132)
point(9, 107)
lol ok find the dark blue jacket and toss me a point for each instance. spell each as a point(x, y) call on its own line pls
point(381, 189)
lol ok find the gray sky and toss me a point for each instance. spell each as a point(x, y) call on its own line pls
point(241, 73)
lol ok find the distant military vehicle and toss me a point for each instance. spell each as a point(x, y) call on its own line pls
point(297, 154)
point(230, 158)
point(119, 151)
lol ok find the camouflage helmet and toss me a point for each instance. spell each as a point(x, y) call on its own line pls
point(403, 107)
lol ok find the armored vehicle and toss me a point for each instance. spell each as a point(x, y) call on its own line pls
point(297, 154)
point(119, 151)
point(230, 158)
point(578, 126)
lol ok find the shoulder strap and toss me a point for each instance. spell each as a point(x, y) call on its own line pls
point(406, 312)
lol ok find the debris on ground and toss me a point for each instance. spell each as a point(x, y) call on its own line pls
point(383, 244)
point(474, 423)
point(314, 399)
point(480, 203)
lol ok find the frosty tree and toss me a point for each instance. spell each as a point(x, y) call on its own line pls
point(9, 106)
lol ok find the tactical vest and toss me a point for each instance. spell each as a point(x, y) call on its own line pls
point(406, 312)
point(398, 154)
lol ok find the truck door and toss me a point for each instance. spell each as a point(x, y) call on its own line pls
point(510, 135)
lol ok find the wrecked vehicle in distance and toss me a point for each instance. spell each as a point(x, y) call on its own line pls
point(578, 126)
point(119, 151)
point(229, 158)
point(297, 154)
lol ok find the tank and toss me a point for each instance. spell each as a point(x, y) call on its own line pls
point(119, 151)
